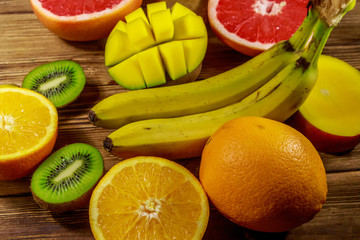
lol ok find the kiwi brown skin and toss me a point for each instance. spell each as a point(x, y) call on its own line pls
point(81, 202)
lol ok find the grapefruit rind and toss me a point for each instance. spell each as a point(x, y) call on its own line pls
point(162, 26)
point(86, 26)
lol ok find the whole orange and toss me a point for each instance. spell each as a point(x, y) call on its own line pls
point(263, 174)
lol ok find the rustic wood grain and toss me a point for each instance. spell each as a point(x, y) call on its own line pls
point(25, 44)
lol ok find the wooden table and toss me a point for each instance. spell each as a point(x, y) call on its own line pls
point(25, 44)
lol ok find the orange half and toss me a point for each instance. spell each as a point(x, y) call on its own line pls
point(28, 130)
point(148, 198)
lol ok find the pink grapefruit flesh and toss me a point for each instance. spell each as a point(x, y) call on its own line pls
point(252, 26)
point(82, 20)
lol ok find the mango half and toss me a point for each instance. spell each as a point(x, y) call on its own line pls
point(146, 49)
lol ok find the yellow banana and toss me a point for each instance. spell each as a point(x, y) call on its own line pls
point(205, 95)
point(185, 137)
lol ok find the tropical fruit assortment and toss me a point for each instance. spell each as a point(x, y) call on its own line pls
point(149, 47)
point(176, 121)
point(257, 171)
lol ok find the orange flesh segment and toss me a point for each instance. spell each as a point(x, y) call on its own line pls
point(333, 105)
point(150, 201)
point(22, 122)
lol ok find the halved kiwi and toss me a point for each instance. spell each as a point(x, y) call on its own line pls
point(65, 180)
point(60, 81)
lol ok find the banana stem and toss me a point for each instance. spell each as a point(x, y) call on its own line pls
point(301, 37)
point(317, 44)
point(321, 42)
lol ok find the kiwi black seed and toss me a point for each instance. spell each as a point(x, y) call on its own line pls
point(66, 179)
point(60, 81)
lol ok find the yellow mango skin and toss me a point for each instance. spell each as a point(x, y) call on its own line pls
point(173, 56)
point(159, 27)
point(152, 67)
point(128, 74)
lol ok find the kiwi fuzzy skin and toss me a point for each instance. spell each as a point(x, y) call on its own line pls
point(80, 202)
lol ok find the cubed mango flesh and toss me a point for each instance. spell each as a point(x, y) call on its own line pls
point(155, 7)
point(162, 40)
point(178, 11)
point(152, 67)
point(118, 48)
point(163, 27)
point(138, 13)
point(194, 50)
point(140, 34)
point(174, 58)
point(189, 27)
point(128, 74)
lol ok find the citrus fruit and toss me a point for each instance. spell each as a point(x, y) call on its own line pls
point(28, 130)
point(252, 26)
point(82, 20)
point(148, 198)
point(263, 174)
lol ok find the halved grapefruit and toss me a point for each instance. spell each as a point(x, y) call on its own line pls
point(252, 26)
point(79, 20)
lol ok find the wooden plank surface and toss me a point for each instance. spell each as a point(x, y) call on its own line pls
point(25, 44)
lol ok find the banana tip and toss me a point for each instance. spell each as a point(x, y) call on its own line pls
point(108, 144)
point(92, 116)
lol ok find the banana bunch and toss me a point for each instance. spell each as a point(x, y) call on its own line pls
point(175, 122)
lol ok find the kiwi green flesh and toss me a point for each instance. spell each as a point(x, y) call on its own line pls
point(60, 81)
point(67, 174)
